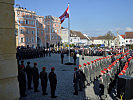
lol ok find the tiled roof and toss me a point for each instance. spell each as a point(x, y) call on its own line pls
point(123, 36)
point(129, 35)
point(77, 34)
point(99, 38)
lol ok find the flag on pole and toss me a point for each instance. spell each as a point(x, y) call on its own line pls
point(65, 14)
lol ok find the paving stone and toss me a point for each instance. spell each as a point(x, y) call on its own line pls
point(64, 89)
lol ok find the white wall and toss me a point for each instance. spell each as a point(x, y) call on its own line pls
point(84, 41)
point(74, 40)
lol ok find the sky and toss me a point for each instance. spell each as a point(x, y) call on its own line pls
point(92, 17)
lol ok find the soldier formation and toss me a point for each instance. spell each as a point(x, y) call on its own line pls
point(106, 70)
point(33, 75)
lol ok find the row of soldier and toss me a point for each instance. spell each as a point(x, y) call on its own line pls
point(33, 75)
point(30, 53)
point(106, 70)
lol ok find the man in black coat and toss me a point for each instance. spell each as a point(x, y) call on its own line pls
point(53, 82)
point(76, 80)
point(35, 77)
point(44, 79)
point(29, 72)
point(74, 57)
point(22, 81)
point(62, 57)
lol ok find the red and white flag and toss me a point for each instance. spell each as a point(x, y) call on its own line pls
point(65, 15)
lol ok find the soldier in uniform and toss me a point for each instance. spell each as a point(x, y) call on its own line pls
point(92, 71)
point(22, 81)
point(76, 80)
point(53, 82)
point(101, 85)
point(74, 57)
point(44, 79)
point(35, 77)
point(82, 77)
point(29, 74)
point(22, 63)
point(62, 57)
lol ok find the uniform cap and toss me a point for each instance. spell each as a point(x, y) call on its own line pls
point(52, 68)
point(35, 63)
point(80, 65)
point(99, 58)
point(84, 64)
point(22, 61)
point(109, 67)
point(117, 59)
point(43, 68)
point(91, 61)
point(120, 73)
point(105, 68)
point(123, 71)
point(95, 60)
point(88, 63)
point(103, 72)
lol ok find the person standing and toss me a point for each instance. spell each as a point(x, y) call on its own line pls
point(82, 77)
point(29, 74)
point(35, 77)
point(76, 81)
point(53, 82)
point(22, 81)
point(62, 57)
point(44, 79)
point(74, 57)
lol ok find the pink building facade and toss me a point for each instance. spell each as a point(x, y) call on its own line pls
point(30, 28)
point(52, 30)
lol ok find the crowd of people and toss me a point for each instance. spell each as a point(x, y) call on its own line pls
point(33, 75)
point(106, 70)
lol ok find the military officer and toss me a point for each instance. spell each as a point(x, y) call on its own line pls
point(35, 77)
point(53, 82)
point(44, 79)
point(29, 73)
point(76, 80)
point(22, 81)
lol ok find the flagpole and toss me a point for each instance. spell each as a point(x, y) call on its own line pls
point(69, 33)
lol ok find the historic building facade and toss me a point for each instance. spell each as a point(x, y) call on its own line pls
point(29, 28)
point(52, 30)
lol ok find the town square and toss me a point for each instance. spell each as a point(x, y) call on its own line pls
point(66, 50)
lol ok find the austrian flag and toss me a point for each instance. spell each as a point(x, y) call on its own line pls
point(64, 15)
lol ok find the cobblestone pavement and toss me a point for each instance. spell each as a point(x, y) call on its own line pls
point(64, 73)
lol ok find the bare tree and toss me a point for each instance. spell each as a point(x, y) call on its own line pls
point(109, 36)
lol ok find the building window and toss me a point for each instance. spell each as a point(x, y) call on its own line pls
point(22, 31)
point(37, 32)
point(33, 32)
point(52, 37)
point(37, 24)
point(32, 39)
point(27, 31)
point(42, 32)
point(27, 39)
point(41, 26)
point(21, 21)
point(22, 40)
point(32, 22)
point(55, 37)
point(26, 22)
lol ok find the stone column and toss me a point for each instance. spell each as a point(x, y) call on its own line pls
point(9, 89)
